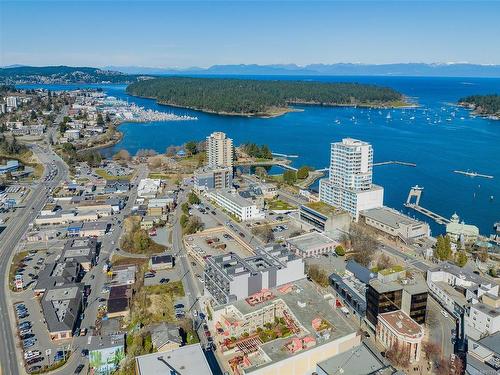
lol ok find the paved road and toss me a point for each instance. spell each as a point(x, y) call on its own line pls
point(10, 357)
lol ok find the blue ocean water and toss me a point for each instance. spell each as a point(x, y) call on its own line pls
point(438, 136)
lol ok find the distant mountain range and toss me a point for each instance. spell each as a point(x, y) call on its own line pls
point(342, 69)
point(18, 74)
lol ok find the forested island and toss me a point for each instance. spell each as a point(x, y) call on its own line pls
point(245, 97)
point(483, 105)
point(61, 75)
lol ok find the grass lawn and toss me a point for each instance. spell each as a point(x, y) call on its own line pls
point(392, 269)
point(322, 207)
point(278, 204)
point(102, 173)
point(119, 260)
point(155, 304)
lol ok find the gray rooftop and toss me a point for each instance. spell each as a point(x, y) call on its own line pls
point(235, 198)
point(57, 274)
point(106, 341)
point(309, 240)
point(316, 306)
point(461, 273)
point(357, 361)
point(186, 360)
point(389, 217)
point(61, 306)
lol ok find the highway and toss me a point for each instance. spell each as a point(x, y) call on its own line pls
point(10, 356)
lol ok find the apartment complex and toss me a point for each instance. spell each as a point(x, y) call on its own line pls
point(349, 185)
point(236, 205)
point(230, 277)
point(207, 178)
point(219, 150)
point(466, 294)
point(308, 330)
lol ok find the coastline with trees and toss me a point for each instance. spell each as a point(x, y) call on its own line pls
point(261, 98)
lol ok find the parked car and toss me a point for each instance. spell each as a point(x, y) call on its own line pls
point(31, 354)
point(164, 281)
point(79, 368)
point(148, 275)
point(34, 360)
point(24, 325)
point(179, 306)
point(34, 369)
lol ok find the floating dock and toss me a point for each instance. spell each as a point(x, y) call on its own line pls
point(416, 191)
point(473, 174)
point(284, 155)
point(405, 163)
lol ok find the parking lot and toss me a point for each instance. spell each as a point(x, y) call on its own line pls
point(33, 337)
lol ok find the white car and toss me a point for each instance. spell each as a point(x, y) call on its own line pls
point(444, 313)
point(31, 354)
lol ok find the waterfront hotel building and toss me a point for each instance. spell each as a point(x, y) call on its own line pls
point(349, 185)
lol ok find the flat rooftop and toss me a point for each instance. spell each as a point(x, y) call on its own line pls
point(357, 361)
point(323, 208)
point(186, 360)
point(461, 273)
point(389, 217)
point(305, 304)
point(310, 240)
point(452, 292)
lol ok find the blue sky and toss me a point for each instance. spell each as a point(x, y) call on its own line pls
point(188, 33)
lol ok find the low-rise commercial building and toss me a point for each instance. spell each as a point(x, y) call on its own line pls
point(57, 274)
point(161, 262)
point(361, 360)
point(93, 229)
point(186, 360)
point(236, 205)
point(9, 167)
point(395, 224)
point(229, 277)
point(483, 355)
point(106, 352)
point(455, 287)
point(311, 244)
point(61, 307)
point(461, 232)
point(148, 188)
point(324, 217)
point(80, 250)
point(397, 329)
point(165, 337)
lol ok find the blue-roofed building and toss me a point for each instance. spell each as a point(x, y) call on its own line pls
point(74, 229)
point(10, 166)
point(359, 271)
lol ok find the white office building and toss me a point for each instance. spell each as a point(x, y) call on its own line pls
point(219, 150)
point(236, 205)
point(349, 185)
point(11, 101)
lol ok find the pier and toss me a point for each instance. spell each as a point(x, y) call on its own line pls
point(416, 192)
point(284, 155)
point(397, 162)
point(286, 166)
point(473, 174)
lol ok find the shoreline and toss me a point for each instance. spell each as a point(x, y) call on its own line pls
point(473, 109)
point(281, 111)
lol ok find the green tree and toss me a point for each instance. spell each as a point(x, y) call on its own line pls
point(461, 258)
point(303, 172)
point(184, 220)
point(190, 147)
point(290, 177)
point(193, 198)
point(442, 251)
point(340, 251)
point(100, 120)
point(185, 208)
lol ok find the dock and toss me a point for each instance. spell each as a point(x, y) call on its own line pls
point(397, 162)
point(284, 155)
point(416, 192)
point(473, 174)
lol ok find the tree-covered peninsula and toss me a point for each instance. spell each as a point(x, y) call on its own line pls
point(483, 105)
point(245, 97)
